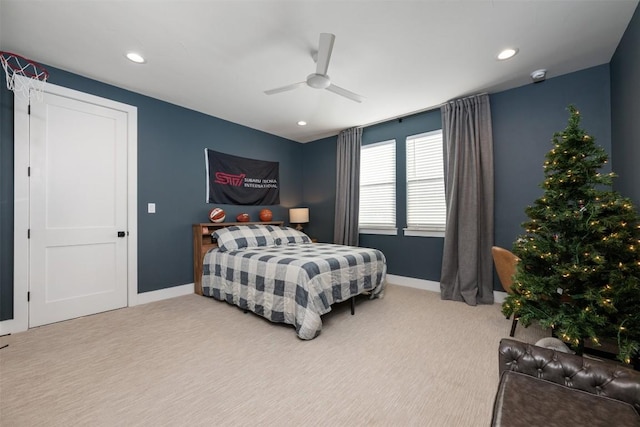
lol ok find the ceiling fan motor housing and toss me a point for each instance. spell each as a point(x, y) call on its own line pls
point(318, 81)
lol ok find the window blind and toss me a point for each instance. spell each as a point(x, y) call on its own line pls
point(378, 185)
point(426, 207)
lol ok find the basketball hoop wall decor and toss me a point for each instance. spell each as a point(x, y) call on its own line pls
point(35, 75)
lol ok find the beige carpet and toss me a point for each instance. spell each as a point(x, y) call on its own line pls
point(407, 359)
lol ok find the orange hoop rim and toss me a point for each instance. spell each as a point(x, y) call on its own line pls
point(41, 72)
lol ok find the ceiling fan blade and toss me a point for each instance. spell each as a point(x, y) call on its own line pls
point(346, 93)
point(285, 88)
point(325, 47)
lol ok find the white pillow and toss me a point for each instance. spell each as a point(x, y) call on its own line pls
point(287, 235)
point(243, 236)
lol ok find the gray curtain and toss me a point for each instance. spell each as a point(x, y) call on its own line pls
point(347, 187)
point(467, 273)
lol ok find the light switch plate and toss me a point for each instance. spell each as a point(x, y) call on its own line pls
point(151, 208)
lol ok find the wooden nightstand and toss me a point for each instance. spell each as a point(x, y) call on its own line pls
point(202, 242)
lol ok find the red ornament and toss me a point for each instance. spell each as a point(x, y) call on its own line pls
point(266, 215)
point(243, 217)
point(217, 215)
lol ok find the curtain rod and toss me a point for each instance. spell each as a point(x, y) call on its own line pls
point(424, 110)
point(463, 98)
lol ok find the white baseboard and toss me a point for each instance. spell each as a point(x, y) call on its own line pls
point(412, 282)
point(13, 326)
point(160, 294)
point(430, 285)
point(499, 296)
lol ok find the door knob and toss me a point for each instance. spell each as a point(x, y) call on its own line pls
point(121, 233)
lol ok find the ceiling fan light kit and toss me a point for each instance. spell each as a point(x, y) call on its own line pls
point(320, 79)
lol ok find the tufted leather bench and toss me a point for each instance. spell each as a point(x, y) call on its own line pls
point(543, 387)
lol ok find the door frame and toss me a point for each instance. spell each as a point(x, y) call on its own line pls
point(20, 321)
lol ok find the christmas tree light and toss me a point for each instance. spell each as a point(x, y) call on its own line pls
point(579, 269)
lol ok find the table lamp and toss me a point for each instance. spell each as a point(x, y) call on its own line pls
point(299, 216)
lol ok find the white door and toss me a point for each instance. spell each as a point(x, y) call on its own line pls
point(77, 209)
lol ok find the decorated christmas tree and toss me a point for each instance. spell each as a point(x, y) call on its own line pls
point(579, 269)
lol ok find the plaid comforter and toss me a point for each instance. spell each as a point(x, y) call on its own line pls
point(293, 284)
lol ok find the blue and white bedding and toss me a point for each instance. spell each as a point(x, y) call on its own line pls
point(293, 283)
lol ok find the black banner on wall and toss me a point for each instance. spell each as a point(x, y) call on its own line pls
point(233, 180)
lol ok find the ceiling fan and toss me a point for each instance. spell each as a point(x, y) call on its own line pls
point(320, 79)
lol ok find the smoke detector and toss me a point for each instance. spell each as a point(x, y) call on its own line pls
point(539, 75)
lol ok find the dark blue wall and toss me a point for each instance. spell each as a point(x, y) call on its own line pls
point(171, 141)
point(419, 257)
point(524, 120)
point(319, 175)
point(171, 173)
point(625, 111)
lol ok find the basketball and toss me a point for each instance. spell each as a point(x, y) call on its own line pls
point(217, 215)
point(243, 217)
point(266, 215)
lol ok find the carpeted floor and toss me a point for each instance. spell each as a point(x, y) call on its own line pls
point(408, 359)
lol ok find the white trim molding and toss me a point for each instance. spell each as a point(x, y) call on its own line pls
point(161, 294)
point(20, 321)
point(422, 233)
point(431, 286)
point(499, 297)
point(412, 282)
point(381, 231)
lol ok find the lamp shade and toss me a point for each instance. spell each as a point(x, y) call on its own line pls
point(299, 215)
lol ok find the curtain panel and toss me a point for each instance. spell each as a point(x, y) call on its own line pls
point(467, 273)
point(347, 187)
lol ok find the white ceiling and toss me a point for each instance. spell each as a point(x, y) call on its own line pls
point(218, 57)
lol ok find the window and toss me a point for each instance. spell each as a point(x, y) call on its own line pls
point(426, 208)
point(377, 212)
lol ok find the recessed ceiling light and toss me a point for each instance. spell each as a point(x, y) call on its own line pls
point(302, 123)
point(135, 57)
point(507, 53)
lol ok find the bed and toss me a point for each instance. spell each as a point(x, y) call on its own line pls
point(277, 273)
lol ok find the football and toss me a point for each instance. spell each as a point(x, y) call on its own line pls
point(266, 215)
point(217, 215)
point(243, 217)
